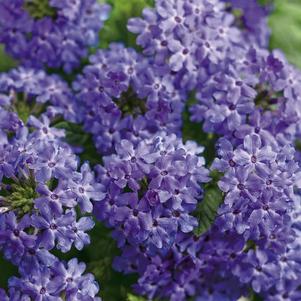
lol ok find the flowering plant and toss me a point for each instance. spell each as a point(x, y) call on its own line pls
point(155, 159)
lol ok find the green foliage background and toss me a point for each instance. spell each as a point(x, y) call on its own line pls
point(285, 23)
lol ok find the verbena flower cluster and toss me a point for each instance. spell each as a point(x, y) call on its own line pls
point(42, 184)
point(54, 33)
point(124, 96)
point(208, 59)
point(153, 186)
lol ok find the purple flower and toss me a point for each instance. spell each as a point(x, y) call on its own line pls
point(162, 229)
point(55, 199)
point(258, 270)
point(53, 162)
point(268, 213)
point(85, 188)
point(77, 284)
point(55, 229)
point(135, 219)
point(41, 285)
point(43, 128)
point(253, 155)
point(238, 184)
point(3, 295)
point(35, 257)
point(14, 239)
point(6, 166)
point(79, 228)
point(163, 176)
point(58, 36)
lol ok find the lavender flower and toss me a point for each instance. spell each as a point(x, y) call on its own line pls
point(50, 284)
point(150, 182)
point(41, 180)
point(123, 94)
point(158, 173)
point(52, 34)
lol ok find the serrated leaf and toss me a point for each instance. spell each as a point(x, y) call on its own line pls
point(213, 197)
point(207, 209)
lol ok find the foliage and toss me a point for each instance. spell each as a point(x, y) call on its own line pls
point(6, 62)
point(285, 23)
point(207, 209)
point(7, 270)
point(115, 29)
point(131, 297)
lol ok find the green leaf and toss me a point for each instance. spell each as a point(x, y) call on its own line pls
point(7, 270)
point(265, 2)
point(207, 209)
point(254, 296)
point(285, 23)
point(6, 62)
point(39, 9)
point(101, 253)
point(115, 29)
point(213, 197)
point(131, 297)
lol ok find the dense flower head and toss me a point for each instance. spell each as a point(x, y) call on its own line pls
point(259, 184)
point(152, 187)
point(32, 92)
point(42, 183)
point(123, 96)
point(63, 281)
point(188, 35)
point(182, 273)
point(51, 33)
point(250, 97)
point(255, 93)
point(36, 183)
point(30, 227)
point(216, 265)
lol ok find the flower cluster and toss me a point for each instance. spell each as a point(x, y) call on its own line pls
point(41, 186)
point(51, 33)
point(186, 34)
point(208, 59)
point(152, 187)
point(258, 93)
point(251, 19)
point(28, 91)
point(250, 98)
point(64, 282)
point(123, 95)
